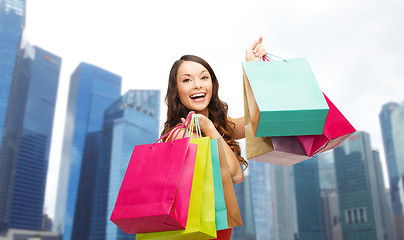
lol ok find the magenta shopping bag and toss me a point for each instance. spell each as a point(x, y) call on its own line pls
point(336, 130)
point(155, 192)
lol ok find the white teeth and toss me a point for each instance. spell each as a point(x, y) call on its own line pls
point(198, 95)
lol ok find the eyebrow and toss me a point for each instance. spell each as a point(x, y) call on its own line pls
point(189, 75)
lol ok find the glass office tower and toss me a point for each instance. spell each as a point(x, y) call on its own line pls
point(131, 120)
point(284, 199)
point(12, 21)
point(12, 15)
point(329, 195)
point(397, 122)
point(245, 204)
point(27, 134)
point(357, 189)
point(35, 138)
point(261, 192)
point(92, 90)
point(308, 200)
point(385, 206)
point(396, 192)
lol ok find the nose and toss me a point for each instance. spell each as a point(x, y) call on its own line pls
point(197, 84)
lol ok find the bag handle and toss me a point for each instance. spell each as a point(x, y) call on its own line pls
point(193, 127)
point(267, 57)
point(179, 127)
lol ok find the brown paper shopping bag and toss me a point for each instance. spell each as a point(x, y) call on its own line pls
point(233, 211)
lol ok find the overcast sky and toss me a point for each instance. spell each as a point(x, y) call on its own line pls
point(355, 48)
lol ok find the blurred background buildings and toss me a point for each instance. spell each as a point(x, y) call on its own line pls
point(336, 195)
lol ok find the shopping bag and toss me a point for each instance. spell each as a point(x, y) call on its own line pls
point(224, 234)
point(201, 215)
point(284, 98)
point(336, 130)
point(156, 188)
point(220, 205)
point(285, 151)
point(233, 211)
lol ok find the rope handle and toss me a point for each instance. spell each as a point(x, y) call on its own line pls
point(185, 124)
point(267, 57)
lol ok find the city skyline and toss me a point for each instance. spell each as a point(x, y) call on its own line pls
point(345, 60)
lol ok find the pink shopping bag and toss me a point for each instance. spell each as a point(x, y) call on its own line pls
point(155, 192)
point(336, 130)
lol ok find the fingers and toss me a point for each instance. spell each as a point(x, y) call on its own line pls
point(253, 46)
point(259, 51)
point(260, 40)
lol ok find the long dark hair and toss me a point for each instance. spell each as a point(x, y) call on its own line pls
point(217, 108)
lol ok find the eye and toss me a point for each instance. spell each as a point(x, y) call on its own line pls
point(186, 80)
point(205, 77)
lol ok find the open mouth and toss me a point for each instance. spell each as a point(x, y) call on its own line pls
point(198, 96)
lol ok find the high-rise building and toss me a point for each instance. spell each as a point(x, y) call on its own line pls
point(131, 120)
point(244, 200)
point(385, 206)
point(12, 18)
point(27, 134)
point(92, 90)
point(358, 195)
point(397, 122)
point(396, 192)
point(329, 196)
point(261, 192)
point(308, 200)
point(284, 203)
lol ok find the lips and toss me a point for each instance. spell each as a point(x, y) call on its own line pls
point(198, 97)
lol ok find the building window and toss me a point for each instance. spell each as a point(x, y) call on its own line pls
point(355, 215)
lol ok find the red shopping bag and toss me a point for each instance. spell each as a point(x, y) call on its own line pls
point(155, 192)
point(336, 130)
point(224, 234)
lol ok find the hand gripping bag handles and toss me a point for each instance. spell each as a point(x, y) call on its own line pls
point(201, 215)
point(155, 192)
point(285, 98)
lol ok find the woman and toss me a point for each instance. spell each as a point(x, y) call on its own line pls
point(192, 86)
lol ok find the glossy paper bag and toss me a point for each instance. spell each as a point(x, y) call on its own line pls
point(285, 151)
point(284, 98)
point(156, 188)
point(233, 211)
point(220, 205)
point(224, 234)
point(201, 215)
point(336, 130)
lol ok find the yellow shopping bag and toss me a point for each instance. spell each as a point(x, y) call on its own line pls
point(201, 214)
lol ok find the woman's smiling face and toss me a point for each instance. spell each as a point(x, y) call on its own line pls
point(194, 86)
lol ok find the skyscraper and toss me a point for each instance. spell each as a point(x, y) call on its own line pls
point(12, 18)
point(27, 134)
point(386, 125)
point(308, 200)
point(284, 200)
point(397, 122)
point(12, 21)
point(92, 90)
point(261, 192)
point(131, 120)
point(385, 206)
point(329, 196)
point(357, 189)
point(244, 200)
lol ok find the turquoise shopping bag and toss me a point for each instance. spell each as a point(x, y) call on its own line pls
point(220, 205)
point(284, 98)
